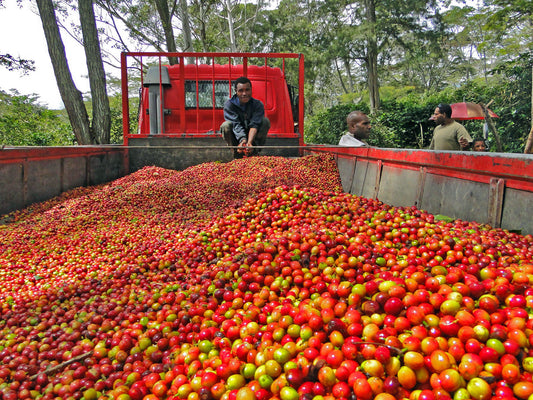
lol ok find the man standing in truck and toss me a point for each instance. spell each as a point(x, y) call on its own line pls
point(245, 124)
point(448, 134)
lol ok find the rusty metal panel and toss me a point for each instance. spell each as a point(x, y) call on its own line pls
point(105, 167)
point(364, 183)
point(167, 153)
point(43, 180)
point(34, 174)
point(496, 191)
point(421, 184)
point(398, 186)
point(516, 169)
point(74, 173)
point(517, 211)
point(11, 187)
point(346, 168)
point(379, 169)
point(456, 198)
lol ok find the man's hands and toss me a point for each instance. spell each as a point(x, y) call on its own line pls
point(464, 143)
point(246, 145)
point(243, 147)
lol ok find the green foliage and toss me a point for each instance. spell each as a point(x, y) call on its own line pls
point(115, 104)
point(382, 135)
point(403, 120)
point(512, 102)
point(327, 126)
point(23, 122)
point(409, 120)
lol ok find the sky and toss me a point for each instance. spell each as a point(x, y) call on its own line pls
point(22, 36)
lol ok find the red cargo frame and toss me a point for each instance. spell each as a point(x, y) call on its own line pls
point(269, 86)
point(515, 169)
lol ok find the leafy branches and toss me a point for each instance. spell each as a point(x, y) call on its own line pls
point(14, 63)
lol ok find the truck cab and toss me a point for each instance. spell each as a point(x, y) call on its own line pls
point(181, 103)
point(189, 99)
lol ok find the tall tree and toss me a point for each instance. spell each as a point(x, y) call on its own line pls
point(165, 15)
point(101, 121)
point(71, 96)
point(142, 22)
point(231, 29)
point(371, 59)
point(228, 25)
point(160, 24)
point(199, 17)
point(517, 14)
point(186, 26)
point(295, 26)
point(382, 26)
point(431, 59)
point(355, 38)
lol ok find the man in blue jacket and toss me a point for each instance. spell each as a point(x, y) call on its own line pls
point(245, 124)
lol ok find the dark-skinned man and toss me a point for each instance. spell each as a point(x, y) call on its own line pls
point(245, 124)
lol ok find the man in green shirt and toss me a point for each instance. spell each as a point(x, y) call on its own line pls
point(448, 134)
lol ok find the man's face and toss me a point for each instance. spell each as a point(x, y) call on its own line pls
point(438, 117)
point(244, 92)
point(360, 128)
point(480, 146)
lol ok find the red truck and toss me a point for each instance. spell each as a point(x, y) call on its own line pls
point(182, 103)
point(194, 97)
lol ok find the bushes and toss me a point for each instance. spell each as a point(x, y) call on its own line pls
point(329, 125)
point(409, 122)
point(398, 126)
point(23, 122)
point(403, 121)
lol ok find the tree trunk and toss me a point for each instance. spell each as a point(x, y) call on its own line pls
point(233, 44)
point(346, 63)
point(339, 74)
point(101, 122)
point(529, 144)
point(493, 129)
point(71, 96)
point(164, 15)
point(372, 57)
point(186, 26)
point(203, 12)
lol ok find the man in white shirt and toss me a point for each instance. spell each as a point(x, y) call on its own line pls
point(358, 130)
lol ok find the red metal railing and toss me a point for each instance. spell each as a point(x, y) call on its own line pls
point(183, 58)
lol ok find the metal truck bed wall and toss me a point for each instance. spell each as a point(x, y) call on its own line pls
point(493, 188)
point(160, 150)
point(33, 174)
point(488, 187)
